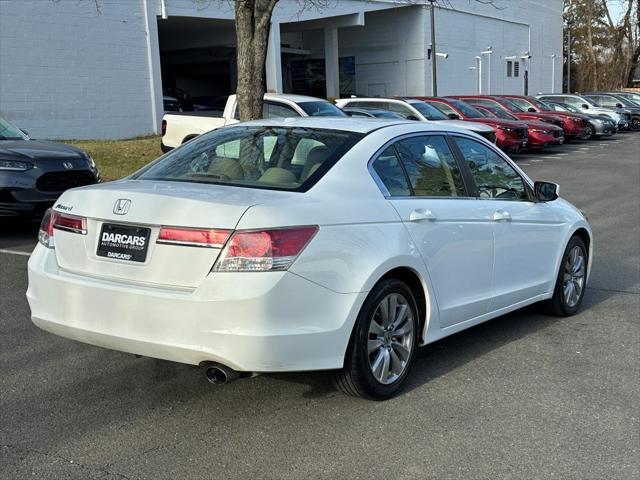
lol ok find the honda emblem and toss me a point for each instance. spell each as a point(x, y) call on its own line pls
point(121, 206)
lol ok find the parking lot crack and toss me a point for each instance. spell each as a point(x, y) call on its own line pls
point(54, 456)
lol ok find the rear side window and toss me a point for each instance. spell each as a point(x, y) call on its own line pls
point(276, 158)
point(431, 166)
point(391, 173)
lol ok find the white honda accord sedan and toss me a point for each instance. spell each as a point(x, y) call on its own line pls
point(307, 244)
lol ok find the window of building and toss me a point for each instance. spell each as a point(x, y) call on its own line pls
point(516, 69)
point(509, 68)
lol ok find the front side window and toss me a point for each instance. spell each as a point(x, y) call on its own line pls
point(430, 166)
point(443, 107)
point(494, 177)
point(466, 109)
point(281, 158)
point(428, 111)
point(387, 167)
point(524, 105)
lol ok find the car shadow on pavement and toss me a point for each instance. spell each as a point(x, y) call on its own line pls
point(18, 233)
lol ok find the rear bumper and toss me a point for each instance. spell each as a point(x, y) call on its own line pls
point(259, 322)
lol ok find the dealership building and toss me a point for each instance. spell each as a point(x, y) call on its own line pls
point(99, 68)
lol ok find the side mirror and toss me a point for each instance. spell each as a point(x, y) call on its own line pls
point(25, 132)
point(585, 106)
point(453, 116)
point(531, 109)
point(413, 117)
point(546, 191)
point(619, 105)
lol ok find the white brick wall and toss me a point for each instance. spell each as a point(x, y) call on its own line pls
point(68, 71)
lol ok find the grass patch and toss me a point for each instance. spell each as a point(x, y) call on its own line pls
point(119, 158)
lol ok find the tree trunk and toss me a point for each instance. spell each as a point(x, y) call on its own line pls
point(253, 22)
point(592, 54)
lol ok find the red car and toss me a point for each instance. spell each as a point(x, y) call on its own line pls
point(509, 106)
point(511, 135)
point(575, 123)
point(541, 134)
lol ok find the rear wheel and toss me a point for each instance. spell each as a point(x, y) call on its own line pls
point(383, 343)
point(571, 280)
point(635, 123)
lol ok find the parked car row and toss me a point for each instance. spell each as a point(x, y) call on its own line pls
point(514, 122)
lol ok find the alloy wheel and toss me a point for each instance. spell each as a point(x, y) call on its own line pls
point(574, 275)
point(391, 337)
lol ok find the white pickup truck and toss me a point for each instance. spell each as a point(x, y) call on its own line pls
point(180, 127)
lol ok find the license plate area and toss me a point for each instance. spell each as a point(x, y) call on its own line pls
point(123, 242)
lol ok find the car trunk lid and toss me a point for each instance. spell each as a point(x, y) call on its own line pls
point(136, 210)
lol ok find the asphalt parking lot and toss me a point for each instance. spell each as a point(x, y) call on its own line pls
point(524, 396)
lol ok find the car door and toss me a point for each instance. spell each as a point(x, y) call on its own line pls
point(424, 184)
point(527, 233)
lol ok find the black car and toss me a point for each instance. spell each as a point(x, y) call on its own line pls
point(33, 173)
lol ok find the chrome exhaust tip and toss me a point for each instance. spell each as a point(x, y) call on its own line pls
point(220, 374)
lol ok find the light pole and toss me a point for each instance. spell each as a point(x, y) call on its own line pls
point(568, 57)
point(553, 72)
point(526, 57)
point(479, 73)
point(488, 52)
point(434, 73)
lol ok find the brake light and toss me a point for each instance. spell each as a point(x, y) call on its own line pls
point(59, 221)
point(45, 234)
point(196, 237)
point(264, 250)
point(163, 127)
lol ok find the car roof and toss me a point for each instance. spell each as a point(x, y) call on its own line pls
point(372, 99)
point(292, 97)
point(349, 124)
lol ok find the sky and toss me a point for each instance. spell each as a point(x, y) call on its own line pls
point(616, 8)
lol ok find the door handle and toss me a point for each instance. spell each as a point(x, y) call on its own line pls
point(501, 215)
point(421, 214)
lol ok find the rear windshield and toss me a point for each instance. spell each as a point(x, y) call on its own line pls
point(321, 109)
point(276, 158)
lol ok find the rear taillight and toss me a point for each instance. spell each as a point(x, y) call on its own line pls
point(53, 220)
point(163, 127)
point(195, 237)
point(264, 250)
point(45, 234)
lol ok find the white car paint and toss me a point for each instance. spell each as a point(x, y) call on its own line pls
point(174, 306)
point(586, 106)
point(408, 105)
point(181, 127)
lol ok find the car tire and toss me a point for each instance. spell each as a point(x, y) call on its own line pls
point(567, 298)
point(635, 124)
point(589, 133)
point(382, 347)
